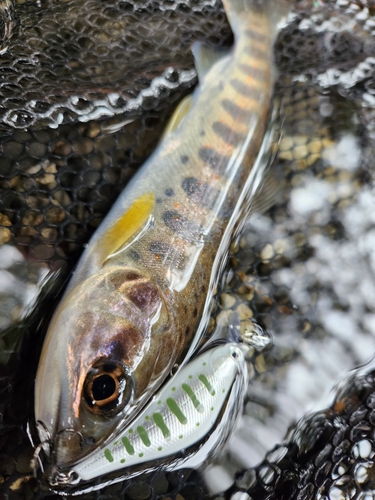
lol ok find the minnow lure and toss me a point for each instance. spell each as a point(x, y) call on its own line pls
point(182, 414)
point(140, 296)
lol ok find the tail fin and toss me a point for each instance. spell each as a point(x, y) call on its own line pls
point(238, 12)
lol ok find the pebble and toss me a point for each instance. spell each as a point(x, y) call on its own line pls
point(244, 311)
point(267, 252)
point(138, 491)
point(227, 301)
point(5, 235)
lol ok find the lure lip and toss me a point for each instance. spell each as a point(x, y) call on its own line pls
point(192, 452)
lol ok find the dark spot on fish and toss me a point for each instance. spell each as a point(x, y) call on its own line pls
point(235, 111)
point(169, 192)
point(195, 312)
point(124, 344)
point(259, 52)
point(200, 192)
point(184, 159)
point(131, 275)
point(255, 35)
point(257, 6)
point(169, 255)
point(158, 200)
point(187, 331)
point(134, 255)
point(227, 134)
point(145, 296)
point(203, 289)
point(159, 248)
point(185, 309)
point(255, 73)
point(185, 228)
point(244, 89)
point(214, 159)
point(202, 133)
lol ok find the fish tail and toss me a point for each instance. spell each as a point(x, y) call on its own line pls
point(240, 12)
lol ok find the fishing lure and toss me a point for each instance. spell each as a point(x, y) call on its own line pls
point(139, 298)
point(201, 402)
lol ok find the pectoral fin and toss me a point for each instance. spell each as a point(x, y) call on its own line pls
point(268, 192)
point(121, 231)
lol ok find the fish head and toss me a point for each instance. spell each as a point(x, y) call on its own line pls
point(108, 347)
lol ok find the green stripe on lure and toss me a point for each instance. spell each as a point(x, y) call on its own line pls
point(140, 296)
point(202, 401)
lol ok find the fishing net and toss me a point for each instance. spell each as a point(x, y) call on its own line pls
point(86, 88)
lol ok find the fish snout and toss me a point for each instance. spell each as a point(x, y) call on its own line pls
point(68, 445)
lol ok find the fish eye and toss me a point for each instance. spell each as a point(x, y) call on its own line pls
point(107, 387)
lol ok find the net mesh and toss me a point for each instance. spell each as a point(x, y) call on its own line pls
point(86, 88)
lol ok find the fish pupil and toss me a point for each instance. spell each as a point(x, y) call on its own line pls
point(107, 388)
point(103, 387)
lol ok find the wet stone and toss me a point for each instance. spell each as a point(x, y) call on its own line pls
point(43, 252)
point(339, 435)
point(62, 148)
point(160, 484)
point(244, 311)
point(37, 150)
point(7, 465)
point(267, 252)
point(55, 215)
point(371, 417)
point(32, 218)
point(5, 235)
point(361, 430)
point(323, 455)
point(227, 301)
point(138, 491)
point(340, 450)
point(13, 149)
point(358, 415)
point(24, 461)
point(84, 146)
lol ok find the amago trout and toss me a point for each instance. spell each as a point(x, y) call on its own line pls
point(142, 288)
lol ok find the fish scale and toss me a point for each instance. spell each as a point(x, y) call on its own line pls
point(140, 296)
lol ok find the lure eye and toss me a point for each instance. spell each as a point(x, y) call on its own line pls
point(107, 387)
point(235, 353)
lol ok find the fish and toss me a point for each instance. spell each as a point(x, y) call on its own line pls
point(201, 402)
point(139, 299)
